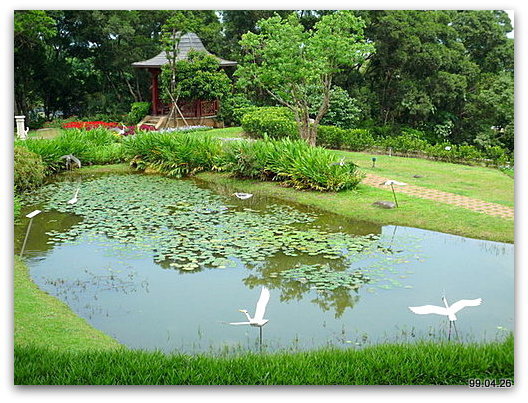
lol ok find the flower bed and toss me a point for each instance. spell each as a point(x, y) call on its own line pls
point(119, 128)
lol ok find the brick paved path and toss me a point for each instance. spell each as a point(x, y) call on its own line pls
point(443, 197)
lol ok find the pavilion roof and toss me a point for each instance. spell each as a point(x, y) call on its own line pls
point(187, 42)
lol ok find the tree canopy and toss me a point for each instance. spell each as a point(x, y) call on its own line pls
point(448, 73)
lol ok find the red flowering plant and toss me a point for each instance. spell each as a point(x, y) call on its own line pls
point(118, 128)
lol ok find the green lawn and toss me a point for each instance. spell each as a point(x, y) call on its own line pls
point(488, 184)
point(43, 321)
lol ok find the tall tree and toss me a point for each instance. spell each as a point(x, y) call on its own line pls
point(291, 63)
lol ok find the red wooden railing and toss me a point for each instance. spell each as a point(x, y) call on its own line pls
point(193, 109)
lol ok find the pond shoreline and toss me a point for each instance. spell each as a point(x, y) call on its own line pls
point(74, 342)
point(357, 204)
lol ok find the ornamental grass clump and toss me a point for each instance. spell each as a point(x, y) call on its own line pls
point(98, 146)
point(292, 162)
point(173, 154)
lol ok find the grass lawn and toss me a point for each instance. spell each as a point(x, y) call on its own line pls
point(487, 184)
point(43, 321)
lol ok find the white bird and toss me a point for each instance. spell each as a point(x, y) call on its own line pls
point(447, 310)
point(393, 182)
point(243, 196)
point(74, 199)
point(258, 319)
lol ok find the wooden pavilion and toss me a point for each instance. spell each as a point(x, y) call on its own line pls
point(197, 112)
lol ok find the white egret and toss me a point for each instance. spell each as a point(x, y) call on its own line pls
point(30, 216)
point(243, 196)
point(258, 319)
point(74, 199)
point(391, 183)
point(447, 310)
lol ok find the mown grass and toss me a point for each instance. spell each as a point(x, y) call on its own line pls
point(487, 184)
point(357, 204)
point(42, 321)
point(419, 364)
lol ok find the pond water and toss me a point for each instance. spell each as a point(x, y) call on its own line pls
point(165, 264)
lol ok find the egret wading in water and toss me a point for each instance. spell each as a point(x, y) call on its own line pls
point(258, 319)
point(447, 310)
point(243, 196)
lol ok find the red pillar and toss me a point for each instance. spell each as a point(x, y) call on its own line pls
point(155, 91)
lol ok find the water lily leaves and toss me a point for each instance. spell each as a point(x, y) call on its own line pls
point(190, 228)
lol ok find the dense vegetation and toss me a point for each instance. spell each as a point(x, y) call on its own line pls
point(446, 73)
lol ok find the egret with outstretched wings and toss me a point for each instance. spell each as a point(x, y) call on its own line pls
point(258, 319)
point(447, 310)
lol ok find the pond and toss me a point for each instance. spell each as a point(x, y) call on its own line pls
point(166, 264)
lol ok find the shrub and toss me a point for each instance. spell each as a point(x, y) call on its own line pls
point(29, 170)
point(330, 136)
point(343, 111)
point(358, 140)
point(137, 112)
point(174, 154)
point(406, 142)
point(232, 108)
point(275, 122)
point(293, 162)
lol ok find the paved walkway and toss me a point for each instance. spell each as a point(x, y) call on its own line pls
point(442, 197)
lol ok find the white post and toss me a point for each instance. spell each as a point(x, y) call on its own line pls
point(21, 127)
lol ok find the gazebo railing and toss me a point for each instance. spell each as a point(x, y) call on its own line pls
point(194, 109)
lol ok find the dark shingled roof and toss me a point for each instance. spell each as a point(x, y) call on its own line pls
point(187, 42)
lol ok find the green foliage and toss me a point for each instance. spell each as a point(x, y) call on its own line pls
point(197, 77)
point(98, 146)
point(296, 66)
point(293, 162)
point(174, 154)
point(343, 110)
point(29, 170)
point(17, 206)
point(232, 109)
point(137, 112)
point(275, 122)
point(411, 140)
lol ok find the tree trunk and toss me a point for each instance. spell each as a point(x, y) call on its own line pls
point(307, 130)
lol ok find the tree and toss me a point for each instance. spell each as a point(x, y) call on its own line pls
point(290, 63)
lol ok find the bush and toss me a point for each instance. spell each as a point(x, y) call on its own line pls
point(408, 141)
point(293, 162)
point(29, 170)
point(275, 122)
point(174, 154)
point(330, 136)
point(358, 140)
point(232, 108)
point(137, 112)
point(343, 111)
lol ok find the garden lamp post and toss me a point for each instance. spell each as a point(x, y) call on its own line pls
point(373, 162)
point(30, 216)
